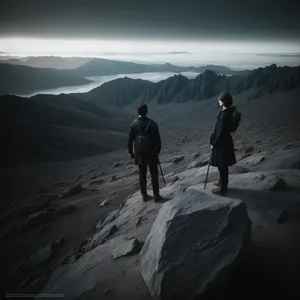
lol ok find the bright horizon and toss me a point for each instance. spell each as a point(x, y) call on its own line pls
point(231, 53)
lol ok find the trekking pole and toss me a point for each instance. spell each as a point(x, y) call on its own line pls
point(207, 171)
point(162, 174)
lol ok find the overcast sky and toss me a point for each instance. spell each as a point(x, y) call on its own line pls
point(153, 19)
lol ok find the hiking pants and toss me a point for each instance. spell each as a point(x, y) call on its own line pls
point(153, 168)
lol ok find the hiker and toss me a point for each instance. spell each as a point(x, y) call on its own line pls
point(221, 143)
point(144, 139)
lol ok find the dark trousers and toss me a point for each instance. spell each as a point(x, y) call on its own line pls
point(223, 171)
point(153, 168)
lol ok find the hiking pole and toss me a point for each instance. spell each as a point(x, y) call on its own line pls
point(207, 171)
point(162, 174)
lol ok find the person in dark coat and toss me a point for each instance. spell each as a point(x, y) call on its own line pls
point(221, 143)
point(149, 157)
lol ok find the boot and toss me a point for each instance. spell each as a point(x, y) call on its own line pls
point(157, 198)
point(217, 183)
point(221, 190)
point(146, 197)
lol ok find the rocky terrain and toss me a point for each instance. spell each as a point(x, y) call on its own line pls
point(79, 228)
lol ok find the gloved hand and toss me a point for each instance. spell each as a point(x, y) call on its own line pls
point(131, 155)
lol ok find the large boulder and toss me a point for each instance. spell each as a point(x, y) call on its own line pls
point(193, 245)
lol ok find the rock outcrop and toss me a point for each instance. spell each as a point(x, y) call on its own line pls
point(193, 245)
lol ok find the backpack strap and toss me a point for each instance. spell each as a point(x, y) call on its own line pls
point(136, 122)
point(148, 126)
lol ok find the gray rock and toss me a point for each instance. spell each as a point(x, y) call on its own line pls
point(249, 150)
point(75, 190)
point(277, 215)
point(139, 221)
point(103, 203)
point(178, 160)
point(101, 237)
point(197, 164)
point(41, 217)
point(113, 178)
point(277, 184)
point(235, 169)
point(176, 178)
point(195, 242)
point(197, 155)
point(117, 165)
point(127, 247)
point(39, 257)
point(110, 218)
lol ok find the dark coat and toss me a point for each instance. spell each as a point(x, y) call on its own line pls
point(223, 153)
point(151, 156)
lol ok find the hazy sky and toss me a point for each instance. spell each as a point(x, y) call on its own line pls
point(236, 33)
point(152, 19)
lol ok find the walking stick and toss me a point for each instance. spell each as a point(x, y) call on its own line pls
point(162, 174)
point(207, 171)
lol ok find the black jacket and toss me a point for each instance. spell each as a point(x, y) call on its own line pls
point(138, 125)
point(223, 152)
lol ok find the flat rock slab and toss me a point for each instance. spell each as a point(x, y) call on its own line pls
point(127, 247)
point(194, 244)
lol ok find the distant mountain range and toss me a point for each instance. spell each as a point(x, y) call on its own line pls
point(15, 79)
point(99, 67)
point(52, 62)
point(125, 91)
point(53, 128)
point(28, 75)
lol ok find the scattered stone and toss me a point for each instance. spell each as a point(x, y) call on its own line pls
point(122, 204)
point(39, 257)
point(96, 182)
point(178, 160)
point(249, 150)
point(139, 221)
point(107, 292)
point(126, 247)
point(197, 155)
point(176, 178)
point(186, 251)
point(68, 209)
point(245, 155)
point(257, 142)
point(103, 203)
point(277, 184)
point(278, 216)
point(58, 243)
point(101, 237)
point(198, 164)
point(109, 218)
point(93, 177)
point(41, 217)
point(113, 178)
point(235, 169)
point(259, 178)
point(117, 165)
point(296, 165)
point(77, 189)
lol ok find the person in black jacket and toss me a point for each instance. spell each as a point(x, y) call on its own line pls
point(145, 130)
point(221, 142)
